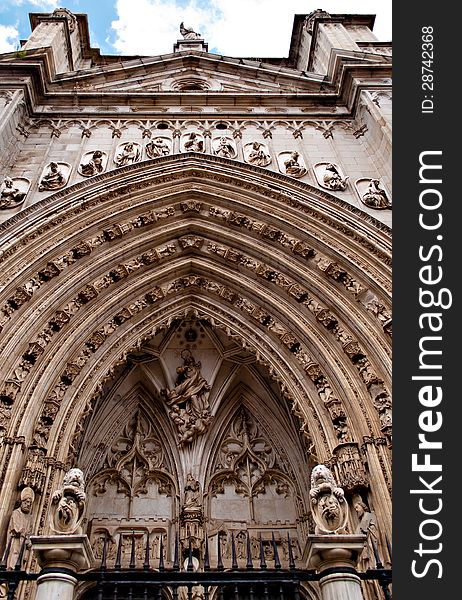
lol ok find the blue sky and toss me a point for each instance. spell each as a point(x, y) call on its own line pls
point(150, 27)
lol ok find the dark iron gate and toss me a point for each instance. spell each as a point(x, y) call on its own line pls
point(247, 579)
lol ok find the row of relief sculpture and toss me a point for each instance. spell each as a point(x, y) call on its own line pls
point(56, 174)
point(329, 509)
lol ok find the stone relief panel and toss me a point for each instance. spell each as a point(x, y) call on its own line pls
point(224, 146)
point(248, 482)
point(330, 176)
point(256, 153)
point(92, 163)
point(159, 146)
point(291, 163)
point(55, 176)
point(192, 142)
point(127, 153)
point(188, 401)
point(372, 193)
point(13, 191)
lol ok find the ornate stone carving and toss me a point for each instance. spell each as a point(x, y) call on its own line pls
point(224, 146)
point(372, 194)
point(20, 525)
point(291, 163)
point(188, 400)
point(127, 153)
point(328, 505)
point(13, 191)
point(159, 146)
point(68, 504)
point(330, 176)
point(55, 176)
point(351, 472)
point(93, 163)
point(192, 142)
point(257, 154)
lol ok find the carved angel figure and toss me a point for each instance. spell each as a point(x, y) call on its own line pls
point(68, 503)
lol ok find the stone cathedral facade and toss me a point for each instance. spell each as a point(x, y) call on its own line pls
point(195, 285)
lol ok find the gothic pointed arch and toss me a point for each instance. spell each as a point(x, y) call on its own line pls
point(284, 275)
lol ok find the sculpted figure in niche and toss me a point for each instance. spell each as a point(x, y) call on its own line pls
point(157, 147)
point(293, 167)
point(192, 500)
point(188, 33)
point(20, 525)
point(194, 143)
point(332, 178)
point(224, 148)
point(94, 165)
point(375, 196)
point(128, 153)
point(258, 156)
point(53, 179)
point(188, 400)
point(328, 504)
point(10, 194)
point(368, 526)
point(68, 503)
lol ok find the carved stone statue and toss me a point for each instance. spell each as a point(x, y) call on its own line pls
point(293, 167)
point(328, 504)
point(188, 32)
point(20, 525)
point(375, 196)
point(258, 156)
point(194, 143)
point(368, 526)
point(68, 504)
point(332, 178)
point(54, 178)
point(94, 166)
point(223, 146)
point(188, 400)
point(10, 194)
point(157, 147)
point(128, 153)
point(192, 500)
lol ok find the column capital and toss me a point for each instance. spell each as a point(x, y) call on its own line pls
point(337, 551)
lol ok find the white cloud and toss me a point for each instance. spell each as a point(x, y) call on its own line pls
point(42, 4)
point(234, 27)
point(9, 38)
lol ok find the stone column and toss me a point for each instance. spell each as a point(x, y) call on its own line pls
point(60, 557)
point(335, 558)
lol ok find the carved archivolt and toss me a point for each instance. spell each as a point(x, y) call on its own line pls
point(265, 274)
